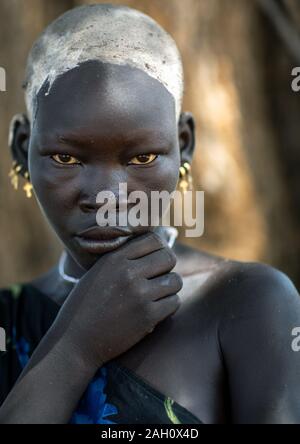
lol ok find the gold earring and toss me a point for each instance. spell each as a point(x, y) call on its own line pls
point(186, 179)
point(14, 175)
point(28, 186)
point(14, 179)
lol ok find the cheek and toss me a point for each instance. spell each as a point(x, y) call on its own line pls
point(168, 174)
point(163, 177)
point(54, 192)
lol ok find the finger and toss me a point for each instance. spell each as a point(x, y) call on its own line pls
point(166, 307)
point(165, 285)
point(143, 245)
point(157, 263)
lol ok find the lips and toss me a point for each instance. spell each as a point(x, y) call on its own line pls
point(98, 233)
point(99, 240)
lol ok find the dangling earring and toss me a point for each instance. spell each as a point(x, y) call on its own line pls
point(14, 175)
point(186, 179)
point(14, 179)
point(28, 186)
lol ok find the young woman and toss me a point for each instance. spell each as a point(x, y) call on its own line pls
point(131, 327)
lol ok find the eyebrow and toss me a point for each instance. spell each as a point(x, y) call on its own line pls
point(131, 139)
point(74, 140)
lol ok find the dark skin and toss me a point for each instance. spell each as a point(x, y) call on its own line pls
point(217, 339)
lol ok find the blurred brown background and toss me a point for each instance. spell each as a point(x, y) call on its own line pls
point(238, 56)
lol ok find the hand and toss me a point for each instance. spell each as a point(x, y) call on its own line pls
point(121, 299)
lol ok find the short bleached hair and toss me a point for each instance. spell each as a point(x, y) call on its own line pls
point(107, 33)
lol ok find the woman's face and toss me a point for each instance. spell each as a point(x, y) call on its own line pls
point(99, 126)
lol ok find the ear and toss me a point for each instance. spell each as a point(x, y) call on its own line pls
point(186, 135)
point(19, 135)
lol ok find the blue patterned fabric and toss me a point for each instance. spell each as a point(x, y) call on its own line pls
point(93, 408)
point(22, 348)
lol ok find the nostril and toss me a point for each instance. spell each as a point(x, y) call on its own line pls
point(88, 207)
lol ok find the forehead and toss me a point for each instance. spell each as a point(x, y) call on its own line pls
point(99, 97)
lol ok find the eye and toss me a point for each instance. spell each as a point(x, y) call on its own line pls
point(65, 159)
point(143, 159)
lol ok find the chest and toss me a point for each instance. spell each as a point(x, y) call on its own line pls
point(181, 359)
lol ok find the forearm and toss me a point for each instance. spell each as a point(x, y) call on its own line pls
point(50, 387)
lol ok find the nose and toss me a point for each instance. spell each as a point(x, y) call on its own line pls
point(88, 205)
point(103, 179)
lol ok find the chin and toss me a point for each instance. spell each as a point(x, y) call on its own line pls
point(87, 253)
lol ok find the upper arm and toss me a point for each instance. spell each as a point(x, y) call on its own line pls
point(256, 338)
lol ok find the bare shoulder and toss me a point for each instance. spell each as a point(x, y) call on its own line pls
point(225, 283)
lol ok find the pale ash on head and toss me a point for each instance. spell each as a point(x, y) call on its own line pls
point(107, 33)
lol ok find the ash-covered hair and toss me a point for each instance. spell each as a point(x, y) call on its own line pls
point(107, 33)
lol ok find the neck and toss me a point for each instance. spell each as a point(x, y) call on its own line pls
point(72, 268)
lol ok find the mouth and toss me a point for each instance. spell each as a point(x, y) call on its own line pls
point(97, 240)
